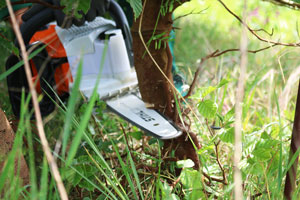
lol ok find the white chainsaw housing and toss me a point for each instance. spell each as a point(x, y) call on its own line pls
point(84, 43)
point(117, 75)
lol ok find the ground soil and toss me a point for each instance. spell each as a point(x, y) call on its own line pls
point(6, 143)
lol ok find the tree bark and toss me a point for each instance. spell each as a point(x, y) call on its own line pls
point(290, 182)
point(155, 90)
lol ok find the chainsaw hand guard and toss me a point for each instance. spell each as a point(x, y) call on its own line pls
point(17, 83)
point(97, 8)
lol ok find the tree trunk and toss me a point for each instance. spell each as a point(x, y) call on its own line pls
point(154, 87)
point(290, 182)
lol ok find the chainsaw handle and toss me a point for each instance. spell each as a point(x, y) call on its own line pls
point(17, 78)
point(119, 17)
point(34, 24)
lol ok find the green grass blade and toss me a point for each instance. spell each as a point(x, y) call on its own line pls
point(125, 170)
point(19, 64)
point(44, 181)
point(157, 185)
point(136, 177)
point(32, 170)
point(71, 108)
point(114, 182)
point(107, 178)
point(83, 124)
point(280, 174)
point(8, 171)
point(86, 117)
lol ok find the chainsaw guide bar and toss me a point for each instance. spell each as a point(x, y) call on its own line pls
point(133, 109)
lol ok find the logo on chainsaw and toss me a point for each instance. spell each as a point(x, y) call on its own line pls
point(143, 115)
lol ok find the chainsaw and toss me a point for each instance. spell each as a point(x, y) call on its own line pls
point(63, 50)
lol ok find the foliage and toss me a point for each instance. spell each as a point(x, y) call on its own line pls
point(73, 6)
point(137, 7)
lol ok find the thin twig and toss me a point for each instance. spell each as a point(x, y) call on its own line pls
point(289, 4)
point(263, 30)
point(190, 13)
point(220, 165)
point(214, 178)
point(4, 37)
point(175, 182)
point(39, 121)
point(252, 31)
point(215, 54)
point(256, 195)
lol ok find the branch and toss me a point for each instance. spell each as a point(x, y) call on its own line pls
point(5, 38)
point(285, 3)
point(212, 132)
point(214, 178)
point(215, 54)
point(253, 31)
point(38, 116)
point(44, 3)
point(220, 165)
point(263, 30)
point(190, 13)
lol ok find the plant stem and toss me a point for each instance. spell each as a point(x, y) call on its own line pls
point(238, 188)
point(39, 122)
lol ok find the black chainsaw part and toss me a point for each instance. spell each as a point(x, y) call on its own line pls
point(17, 82)
point(119, 17)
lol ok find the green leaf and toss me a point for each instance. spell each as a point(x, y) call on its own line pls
point(6, 48)
point(190, 176)
point(2, 4)
point(223, 82)
point(136, 135)
point(167, 192)
point(84, 5)
point(208, 108)
point(256, 168)
point(137, 7)
point(73, 6)
point(85, 184)
point(101, 197)
point(203, 92)
point(152, 141)
point(185, 163)
point(227, 135)
point(262, 154)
